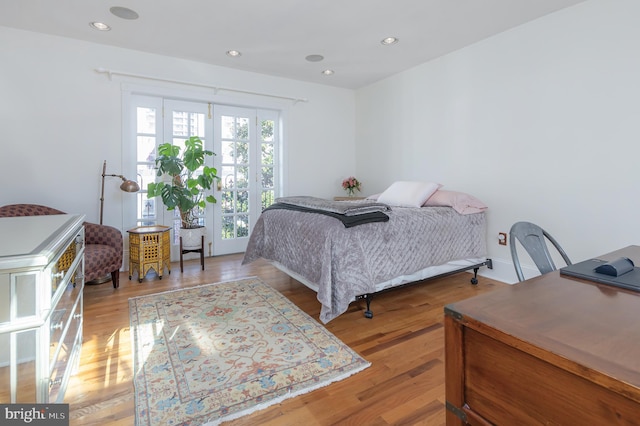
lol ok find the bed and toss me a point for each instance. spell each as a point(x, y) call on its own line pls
point(344, 263)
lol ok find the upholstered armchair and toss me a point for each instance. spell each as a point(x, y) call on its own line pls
point(103, 243)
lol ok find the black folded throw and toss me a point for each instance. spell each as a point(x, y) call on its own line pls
point(347, 221)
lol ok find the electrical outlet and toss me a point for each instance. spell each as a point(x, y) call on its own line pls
point(502, 238)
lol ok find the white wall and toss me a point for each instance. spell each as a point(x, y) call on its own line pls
point(60, 120)
point(539, 122)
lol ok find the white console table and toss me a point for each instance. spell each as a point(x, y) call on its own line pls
point(41, 284)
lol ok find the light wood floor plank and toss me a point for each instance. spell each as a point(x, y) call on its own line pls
point(404, 341)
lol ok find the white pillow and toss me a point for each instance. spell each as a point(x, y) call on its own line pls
point(408, 194)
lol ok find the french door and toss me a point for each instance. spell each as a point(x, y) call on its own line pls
point(246, 141)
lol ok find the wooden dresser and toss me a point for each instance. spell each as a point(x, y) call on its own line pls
point(550, 350)
point(40, 306)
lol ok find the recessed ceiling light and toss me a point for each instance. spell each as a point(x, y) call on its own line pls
point(327, 72)
point(314, 58)
point(99, 26)
point(124, 13)
point(389, 40)
point(233, 53)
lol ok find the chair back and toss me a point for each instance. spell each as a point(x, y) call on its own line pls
point(534, 240)
point(13, 210)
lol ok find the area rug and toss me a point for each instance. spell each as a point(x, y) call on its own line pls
point(212, 353)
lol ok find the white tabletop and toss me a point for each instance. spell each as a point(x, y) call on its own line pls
point(33, 240)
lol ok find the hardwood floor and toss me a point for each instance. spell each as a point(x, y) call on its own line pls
point(404, 342)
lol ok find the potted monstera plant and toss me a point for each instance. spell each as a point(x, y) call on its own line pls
point(186, 184)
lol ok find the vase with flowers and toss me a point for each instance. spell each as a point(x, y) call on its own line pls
point(351, 185)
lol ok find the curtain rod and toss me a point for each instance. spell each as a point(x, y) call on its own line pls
point(111, 73)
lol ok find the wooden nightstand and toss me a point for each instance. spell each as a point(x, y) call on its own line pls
point(149, 248)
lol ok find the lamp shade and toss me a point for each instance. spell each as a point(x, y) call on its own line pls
point(127, 186)
point(130, 186)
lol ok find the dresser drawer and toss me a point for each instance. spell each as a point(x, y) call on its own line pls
point(61, 317)
point(64, 351)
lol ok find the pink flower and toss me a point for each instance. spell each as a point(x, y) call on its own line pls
point(351, 184)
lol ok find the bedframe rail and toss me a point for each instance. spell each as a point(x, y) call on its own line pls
point(368, 313)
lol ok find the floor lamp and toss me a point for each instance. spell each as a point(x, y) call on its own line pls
point(127, 186)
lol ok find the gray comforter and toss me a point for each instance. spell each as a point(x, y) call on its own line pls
point(347, 262)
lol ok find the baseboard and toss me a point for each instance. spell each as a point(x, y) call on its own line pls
point(504, 271)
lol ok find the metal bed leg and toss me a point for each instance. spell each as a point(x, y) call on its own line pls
point(488, 263)
point(367, 298)
point(368, 313)
point(474, 280)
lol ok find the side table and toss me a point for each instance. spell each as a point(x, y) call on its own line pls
point(149, 248)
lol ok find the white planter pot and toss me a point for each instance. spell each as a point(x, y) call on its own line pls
point(192, 238)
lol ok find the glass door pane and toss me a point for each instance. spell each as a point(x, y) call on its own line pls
point(148, 135)
point(247, 142)
point(236, 148)
point(182, 121)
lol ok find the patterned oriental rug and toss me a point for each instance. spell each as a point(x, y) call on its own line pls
point(207, 354)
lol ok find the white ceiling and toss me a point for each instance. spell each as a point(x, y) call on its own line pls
point(275, 36)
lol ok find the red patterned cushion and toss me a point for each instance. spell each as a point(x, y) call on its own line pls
point(13, 210)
